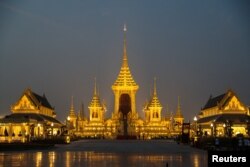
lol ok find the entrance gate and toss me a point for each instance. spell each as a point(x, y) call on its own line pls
point(125, 108)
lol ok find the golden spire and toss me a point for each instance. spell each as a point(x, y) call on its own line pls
point(168, 115)
point(125, 58)
point(155, 102)
point(95, 89)
point(95, 102)
point(125, 77)
point(178, 112)
point(81, 112)
point(72, 111)
point(155, 94)
point(72, 104)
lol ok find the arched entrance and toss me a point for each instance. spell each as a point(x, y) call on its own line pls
point(125, 108)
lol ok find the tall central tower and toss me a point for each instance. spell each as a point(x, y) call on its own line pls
point(125, 88)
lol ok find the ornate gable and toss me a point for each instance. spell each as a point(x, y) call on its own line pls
point(234, 104)
point(31, 102)
point(24, 103)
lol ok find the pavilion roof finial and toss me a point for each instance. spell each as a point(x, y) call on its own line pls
point(125, 59)
point(95, 89)
point(155, 102)
point(72, 104)
point(95, 102)
point(178, 112)
point(155, 93)
point(72, 111)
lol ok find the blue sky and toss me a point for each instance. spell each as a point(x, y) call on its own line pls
point(193, 48)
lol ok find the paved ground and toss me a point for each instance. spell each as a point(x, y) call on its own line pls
point(129, 146)
point(109, 153)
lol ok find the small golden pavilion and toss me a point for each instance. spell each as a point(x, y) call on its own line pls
point(32, 117)
point(224, 115)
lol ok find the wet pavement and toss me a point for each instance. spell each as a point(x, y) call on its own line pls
point(109, 153)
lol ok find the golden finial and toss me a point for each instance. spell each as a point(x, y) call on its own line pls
point(82, 110)
point(95, 89)
point(179, 101)
point(72, 103)
point(155, 86)
point(178, 107)
point(125, 63)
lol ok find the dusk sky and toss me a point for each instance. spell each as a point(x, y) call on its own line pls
point(194, 48)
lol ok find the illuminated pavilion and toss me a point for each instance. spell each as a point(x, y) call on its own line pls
point(125, 120)
point(224, 115)
point(32, 117)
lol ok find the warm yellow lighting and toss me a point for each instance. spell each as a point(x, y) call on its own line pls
point(125, 27)
point(67, 139)
point(195, 118)
point(211, 124)
point(52, 124)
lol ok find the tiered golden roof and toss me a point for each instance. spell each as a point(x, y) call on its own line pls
point(72, 111)
point(178, 112)
point(125, 77)
point(95, 102)
point(154, 102)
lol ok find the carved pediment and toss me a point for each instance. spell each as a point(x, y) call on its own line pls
point(234, 104)
point(24, 104)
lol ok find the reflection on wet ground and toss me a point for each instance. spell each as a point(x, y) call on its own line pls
point(109, 153)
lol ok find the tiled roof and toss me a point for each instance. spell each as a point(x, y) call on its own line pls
point(26, 117)
point(212, 102)
point(42, 100)
point(222, 118)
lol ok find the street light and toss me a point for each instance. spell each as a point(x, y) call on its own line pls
point(195, 124)
point(68, 122)
point(212, 129)
point(224, 128)
point(38, 125)
point(195, 118)
point(52, 124)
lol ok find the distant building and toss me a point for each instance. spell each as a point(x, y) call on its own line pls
point(32, 117)
point(224, 115)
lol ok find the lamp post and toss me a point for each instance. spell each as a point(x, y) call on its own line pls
point(52, 124)
point(68, 124)
point(212, 129)
point(248, 128)
point(225, 130)
point(38, 126)
point(195, 125)
point(229, 128)
point(68, 121)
